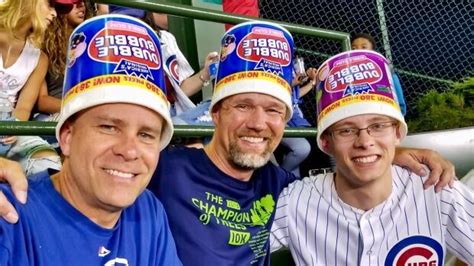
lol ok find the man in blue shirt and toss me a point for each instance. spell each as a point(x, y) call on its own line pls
point(96, 210)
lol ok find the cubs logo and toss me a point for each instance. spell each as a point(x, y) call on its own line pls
point(415, 251)
point(228, 46)
point(264, 44)
point(124, 41)
point(77, 47)
point(172, 65)
point(358, 73)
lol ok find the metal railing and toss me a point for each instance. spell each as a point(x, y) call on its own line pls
point(33, 128)
point(48, 128)
point(217, 16)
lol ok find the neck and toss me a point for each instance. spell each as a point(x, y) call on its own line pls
point(221, 161)
point(23, 32)
point(64, 183)
point(363, 196)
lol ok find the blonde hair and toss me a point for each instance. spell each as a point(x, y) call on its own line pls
point(14, 14)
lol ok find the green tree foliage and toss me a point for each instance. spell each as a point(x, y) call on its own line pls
point(445, 110)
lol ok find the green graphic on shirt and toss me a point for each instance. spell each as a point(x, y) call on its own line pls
point(233, 205)
point(217, 210)
point(238, 238)
point(262, 210)
point(229, 214)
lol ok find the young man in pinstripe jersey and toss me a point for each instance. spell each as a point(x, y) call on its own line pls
point(370, 212)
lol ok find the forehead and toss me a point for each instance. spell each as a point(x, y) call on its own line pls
point(361, 40)
point(254, 98)
point(361, 120)
point(125, 112)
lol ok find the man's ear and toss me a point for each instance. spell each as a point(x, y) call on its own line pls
point(215, 112)
point(398, 136)
point(65, 136)
point(325, 144)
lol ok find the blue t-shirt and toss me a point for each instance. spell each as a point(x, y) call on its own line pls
point(50, 231)
point(216, 219)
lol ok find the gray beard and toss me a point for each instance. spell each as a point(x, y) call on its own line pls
point(248, 161)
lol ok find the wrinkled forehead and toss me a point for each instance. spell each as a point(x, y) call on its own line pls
point(255, 98)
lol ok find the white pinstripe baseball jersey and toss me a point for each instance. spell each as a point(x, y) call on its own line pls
point(412, 227)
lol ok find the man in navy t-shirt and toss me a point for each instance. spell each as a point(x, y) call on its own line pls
point(221, 200)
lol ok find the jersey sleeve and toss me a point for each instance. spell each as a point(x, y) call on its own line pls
point(457, 211)
point(279, 233)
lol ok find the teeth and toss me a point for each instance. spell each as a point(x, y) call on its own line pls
point(368, 159)
point(119, 174)
point(252, 139)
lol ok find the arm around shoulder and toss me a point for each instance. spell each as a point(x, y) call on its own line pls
point(441, 173)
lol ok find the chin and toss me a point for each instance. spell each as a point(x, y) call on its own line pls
point(121, 200)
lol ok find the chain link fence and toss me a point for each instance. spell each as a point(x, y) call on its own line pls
point(429, 43)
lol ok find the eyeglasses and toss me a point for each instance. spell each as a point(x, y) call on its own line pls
point(379, 129)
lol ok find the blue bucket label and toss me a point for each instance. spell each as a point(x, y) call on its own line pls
point(113, 50)
point(256, 47)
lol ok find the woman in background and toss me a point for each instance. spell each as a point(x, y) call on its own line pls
point(55, 46)
point(22, 70)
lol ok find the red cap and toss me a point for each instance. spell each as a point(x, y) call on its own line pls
point(66, 2)
point(63, 6)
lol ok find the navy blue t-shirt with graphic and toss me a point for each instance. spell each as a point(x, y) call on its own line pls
point(216, 219)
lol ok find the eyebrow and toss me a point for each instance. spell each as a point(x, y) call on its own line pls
point(118, 121)
point(369, 122)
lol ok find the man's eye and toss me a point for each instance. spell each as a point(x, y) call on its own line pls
point(108, 128)
point(147, 136)
point(380, 126)
point(242, 107)
point(346, 131)
point(274, 111)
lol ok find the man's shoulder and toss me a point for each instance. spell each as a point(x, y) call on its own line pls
point(311, 183)
point(146, 205)
point(180, 152)
point(403, 177)
point(7, 191)
point(35, 182)
point(270, 170)
point(148, 200)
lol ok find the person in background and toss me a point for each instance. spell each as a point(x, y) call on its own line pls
point(298, 148)
point(22, 70)
point(55, 46)
point(95, 210)
point(220, 200)
point(369, 212)
point(364, 41)
point(181, 80)
point(241, 7)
